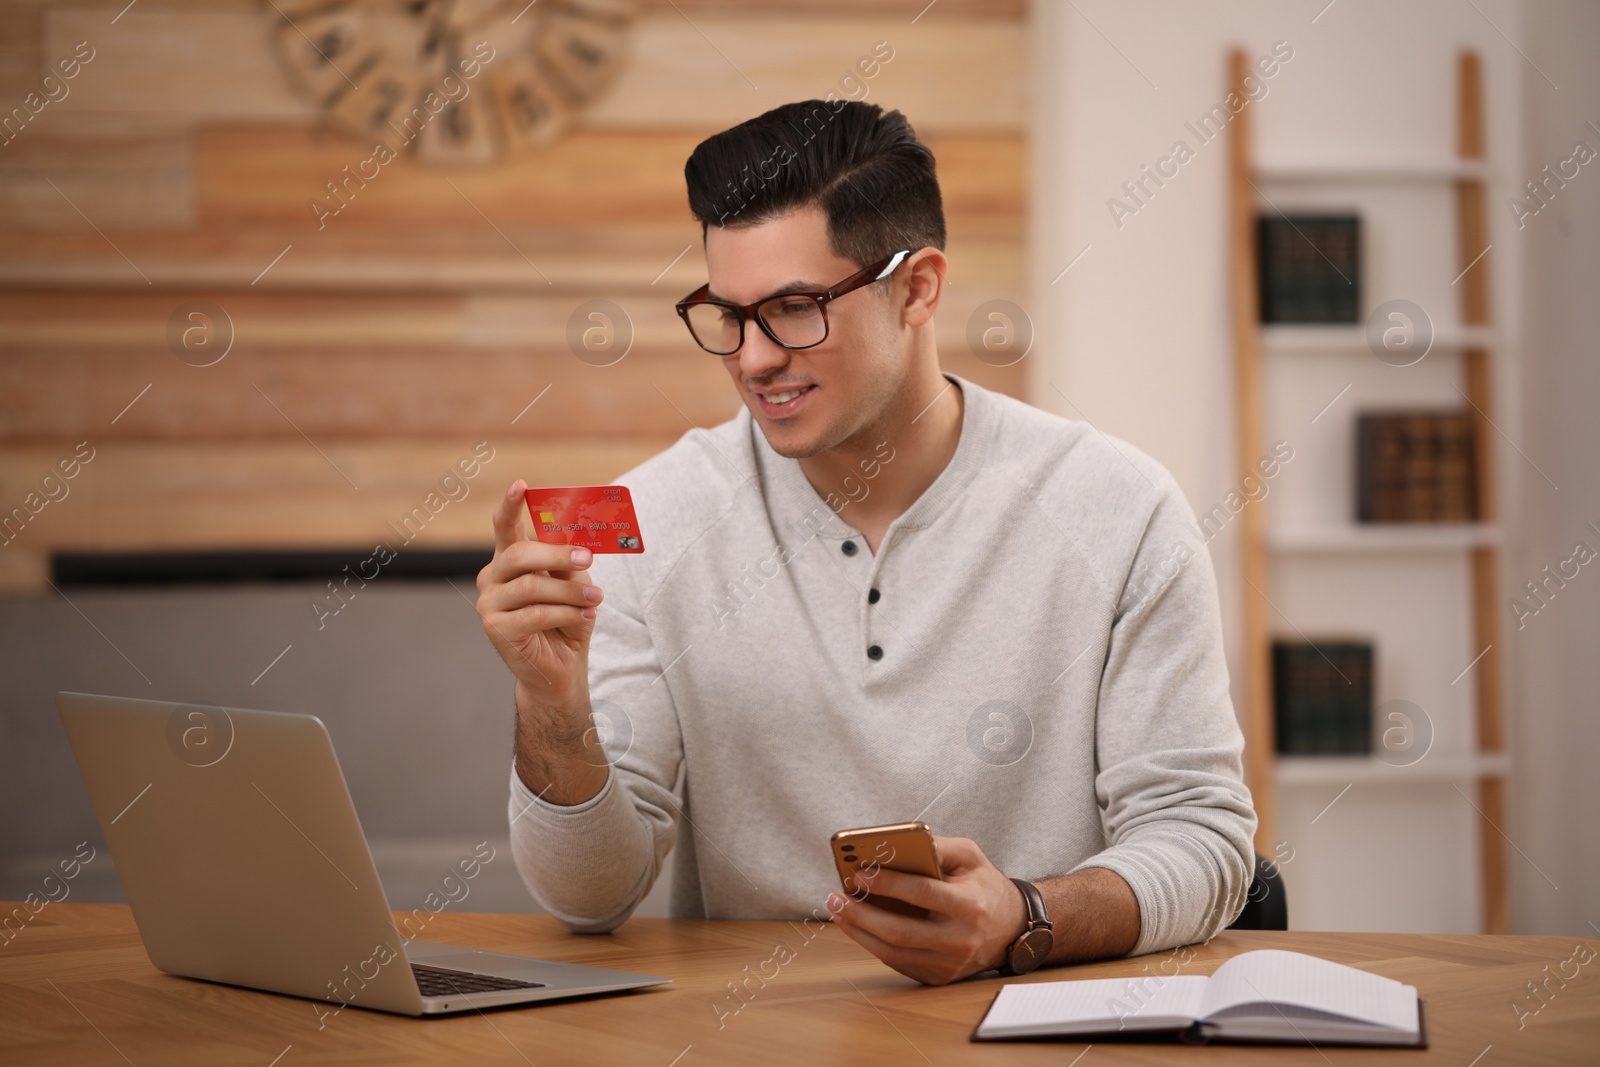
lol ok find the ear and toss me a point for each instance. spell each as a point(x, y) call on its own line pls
point(925, 274)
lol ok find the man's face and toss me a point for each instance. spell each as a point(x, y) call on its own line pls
point(845, 382)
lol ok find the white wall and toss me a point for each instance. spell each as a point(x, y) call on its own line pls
point(1135, 338)
point(1556, 674)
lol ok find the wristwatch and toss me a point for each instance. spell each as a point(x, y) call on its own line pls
point(1030, 949)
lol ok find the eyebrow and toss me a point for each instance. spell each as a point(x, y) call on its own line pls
point(787, 289)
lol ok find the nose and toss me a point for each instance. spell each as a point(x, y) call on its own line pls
point(761, 356)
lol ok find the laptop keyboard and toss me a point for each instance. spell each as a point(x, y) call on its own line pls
point(440, 982)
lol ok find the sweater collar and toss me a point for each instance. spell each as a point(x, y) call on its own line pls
point(796, 507)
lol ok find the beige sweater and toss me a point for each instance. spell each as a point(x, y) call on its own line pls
point(1032, 659)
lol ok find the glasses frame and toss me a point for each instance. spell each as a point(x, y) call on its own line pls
point(863, 277)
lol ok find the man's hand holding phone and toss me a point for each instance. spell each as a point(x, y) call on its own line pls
point(974, 913)
point(538, 609)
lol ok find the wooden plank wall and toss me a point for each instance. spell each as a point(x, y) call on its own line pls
point(368, 355)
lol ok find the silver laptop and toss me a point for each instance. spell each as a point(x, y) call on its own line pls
point(239, 850)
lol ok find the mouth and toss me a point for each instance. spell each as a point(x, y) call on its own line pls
point(780, 403)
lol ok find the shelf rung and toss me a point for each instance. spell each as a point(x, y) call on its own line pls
point(1343, 770)
point(1385, 537)
point(1371, 171)
point(1288, 339)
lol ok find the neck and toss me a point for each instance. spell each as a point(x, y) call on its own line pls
point(880, 472)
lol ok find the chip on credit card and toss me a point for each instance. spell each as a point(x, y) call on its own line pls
point(597, 517)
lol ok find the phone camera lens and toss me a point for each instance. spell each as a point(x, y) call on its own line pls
point(849, 859)
point(847, 848)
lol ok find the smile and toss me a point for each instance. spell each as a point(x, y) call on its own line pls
point(785, 402)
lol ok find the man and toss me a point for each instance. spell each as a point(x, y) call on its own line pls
point(880, 593)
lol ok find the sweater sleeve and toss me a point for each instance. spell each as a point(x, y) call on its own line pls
point(1169, 776)
point(590, 864)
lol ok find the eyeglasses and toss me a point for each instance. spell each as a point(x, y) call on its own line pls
point(793, 320)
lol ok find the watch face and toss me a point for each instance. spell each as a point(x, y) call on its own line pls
point(1030, 950)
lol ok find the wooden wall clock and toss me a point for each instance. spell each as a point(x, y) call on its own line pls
point(456, 81)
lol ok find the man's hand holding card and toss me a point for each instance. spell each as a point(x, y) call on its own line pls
point(538, 608)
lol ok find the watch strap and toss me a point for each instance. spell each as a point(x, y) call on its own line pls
point(1034, 901)
point(1037, 919)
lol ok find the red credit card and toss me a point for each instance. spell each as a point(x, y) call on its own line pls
point(597, 517)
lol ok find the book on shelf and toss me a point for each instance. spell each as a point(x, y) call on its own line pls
point(1416, 466)
point(1264, 997)
point(1310, 268)
point(1322, 697)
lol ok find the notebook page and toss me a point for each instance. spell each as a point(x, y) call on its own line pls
point(1095, 1004)
point(1293, 978)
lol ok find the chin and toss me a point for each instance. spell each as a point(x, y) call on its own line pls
point(794, 446)
point(796, 452)
point(791, 442)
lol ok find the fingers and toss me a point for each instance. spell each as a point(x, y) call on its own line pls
point(538, 590)
point(924, 892)
point(856, 929)
point(972, 914)
point(957, 854)
point(508, 517)
point(514, 627)
point(516, 553)
point(929, 966)
point(525, 557)
point(886, 926)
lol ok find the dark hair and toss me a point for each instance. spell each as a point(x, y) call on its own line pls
point(864, 167)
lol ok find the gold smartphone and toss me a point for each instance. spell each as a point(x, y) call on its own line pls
point(903, 846)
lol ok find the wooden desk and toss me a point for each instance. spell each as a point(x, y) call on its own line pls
point(76, 981)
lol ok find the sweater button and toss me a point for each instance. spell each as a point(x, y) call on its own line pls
point(848, 548)
point(874, 652)
point(873, 596)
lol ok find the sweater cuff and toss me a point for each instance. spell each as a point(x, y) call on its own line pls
point(526, 804)
point(1171, 889)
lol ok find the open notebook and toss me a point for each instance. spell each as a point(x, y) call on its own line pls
point(1265, 996)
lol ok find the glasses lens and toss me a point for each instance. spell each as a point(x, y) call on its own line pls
point(715, 328)
point(795, 320)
